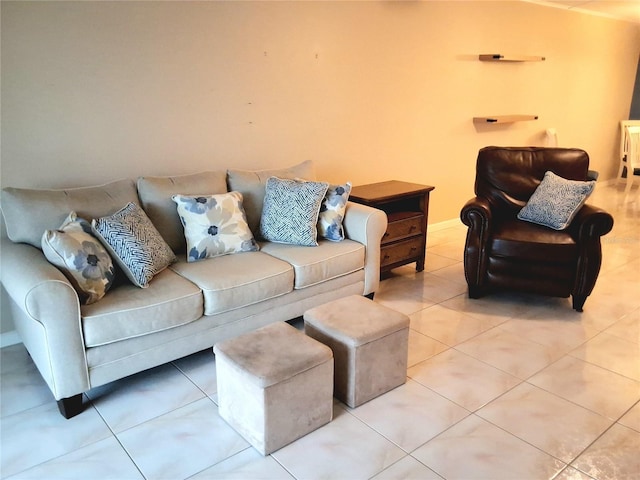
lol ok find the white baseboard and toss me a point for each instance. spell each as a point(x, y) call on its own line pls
point(454, 222)
point(9, 338)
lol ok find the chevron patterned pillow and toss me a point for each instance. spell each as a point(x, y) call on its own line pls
point(134, 244)
point(290, 211)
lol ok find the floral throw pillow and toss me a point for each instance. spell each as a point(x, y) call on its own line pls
point(290, 211)
point(214, 225)
point(81, 257)
point(332, 212)
point(135, 244)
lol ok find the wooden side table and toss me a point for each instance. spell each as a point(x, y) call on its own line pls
point(407, 209)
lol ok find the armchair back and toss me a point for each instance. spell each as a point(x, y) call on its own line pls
point(508, 176)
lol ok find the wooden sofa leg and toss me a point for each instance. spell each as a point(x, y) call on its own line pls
point(70, 406)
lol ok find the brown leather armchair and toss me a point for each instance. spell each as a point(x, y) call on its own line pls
point(505, 253)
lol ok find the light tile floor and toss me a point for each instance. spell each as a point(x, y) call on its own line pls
point(510, 386)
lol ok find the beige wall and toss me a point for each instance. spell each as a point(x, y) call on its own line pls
point(93, 91)
point(369, 90)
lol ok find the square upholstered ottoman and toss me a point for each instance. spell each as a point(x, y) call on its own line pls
point(369, 343)
point(275, 385)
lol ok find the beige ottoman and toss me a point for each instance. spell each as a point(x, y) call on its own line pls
point(275, 385)
point(369, 343)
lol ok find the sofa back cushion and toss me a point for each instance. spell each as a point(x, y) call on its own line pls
point(252, 186)
point(28, 213)
point(155, 195)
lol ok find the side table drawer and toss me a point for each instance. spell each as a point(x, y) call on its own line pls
point(400, 251)
point(403, 227)
point(407, 207)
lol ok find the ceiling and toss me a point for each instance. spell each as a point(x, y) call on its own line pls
point(622, 9)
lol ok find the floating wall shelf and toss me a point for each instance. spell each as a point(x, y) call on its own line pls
point(505, 118)
point(496, 57)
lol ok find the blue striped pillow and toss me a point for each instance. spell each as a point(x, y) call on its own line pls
point(134, 243)
point(290, 211)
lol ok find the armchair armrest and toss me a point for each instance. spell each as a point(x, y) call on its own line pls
point(476, 214)
point(476, 210)
point(367, 225)
point(46, 313)
point(591, 221)
point(589, 224)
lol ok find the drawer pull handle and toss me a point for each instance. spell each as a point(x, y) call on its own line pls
point(413, 249)
point(412, 228)
point(386, 257)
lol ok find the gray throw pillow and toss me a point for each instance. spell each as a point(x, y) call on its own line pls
point(556, 201)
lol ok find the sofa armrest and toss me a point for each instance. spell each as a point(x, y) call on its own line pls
point(476, 214)
point(46, 313)
point(367, 225)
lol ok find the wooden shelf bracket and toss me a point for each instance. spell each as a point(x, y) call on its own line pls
point(505, 118)
point(497, 57)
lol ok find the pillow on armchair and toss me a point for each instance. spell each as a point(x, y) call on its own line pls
point(556, 201)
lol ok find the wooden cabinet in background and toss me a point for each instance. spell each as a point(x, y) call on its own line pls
point(407, 209)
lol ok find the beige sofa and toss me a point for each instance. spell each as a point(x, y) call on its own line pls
point(188, 306)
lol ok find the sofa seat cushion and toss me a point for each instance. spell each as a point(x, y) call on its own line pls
point(313, 265)
point(128, 311)
point(233, 281)
point(528, 241)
